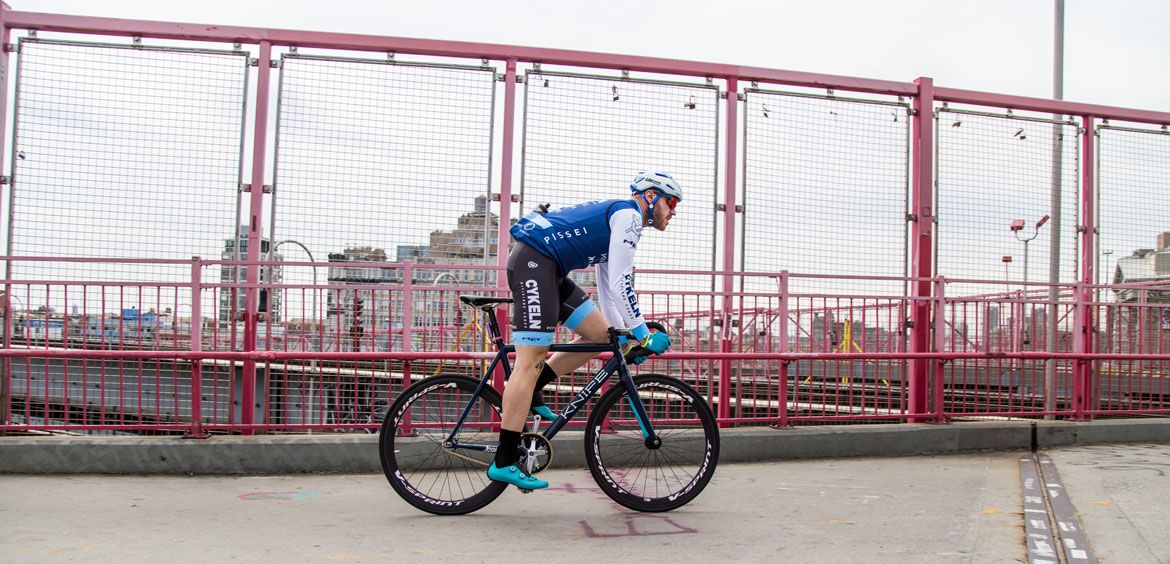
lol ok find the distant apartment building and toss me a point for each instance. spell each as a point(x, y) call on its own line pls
point(1144, 327)
point(232, 300)
point(360, 318)
point(1144, 265)
point(372, 319)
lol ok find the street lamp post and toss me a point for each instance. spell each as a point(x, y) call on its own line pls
point(1107, 254)
point(440, 275)
point(314, 266)
point(1017, 228)
point(426, 304)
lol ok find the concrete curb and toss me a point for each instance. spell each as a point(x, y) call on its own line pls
point(265, 455)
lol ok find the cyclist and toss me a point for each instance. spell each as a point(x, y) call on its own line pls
point(602, 234)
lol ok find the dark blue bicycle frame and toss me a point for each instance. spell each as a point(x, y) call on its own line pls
point(616, 363)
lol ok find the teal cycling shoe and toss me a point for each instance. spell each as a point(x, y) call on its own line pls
point(544, 412)
point(516, 477)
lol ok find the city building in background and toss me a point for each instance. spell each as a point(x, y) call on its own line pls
point(233, 300)
point(1144, 327)
point(372, 319)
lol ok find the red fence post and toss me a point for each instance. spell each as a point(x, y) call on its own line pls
point(921, 243)
point(196, 336)
point(724, 408)
point(940, 339)
point(1083, 341)
point(5, 35)
point(5, 363)
point(782, 328)
point(407, 318)
point(251, 317)
point(506, 162)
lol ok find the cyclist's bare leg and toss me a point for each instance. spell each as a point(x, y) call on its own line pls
point(593, 329)
point(518, 391)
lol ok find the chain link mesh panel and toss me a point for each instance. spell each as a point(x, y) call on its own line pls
point(1133, 216)
point(382, 161)
point(825, 189)
point(992, 171)
point(1133, 213)
point(585, 137)
point(124, 151)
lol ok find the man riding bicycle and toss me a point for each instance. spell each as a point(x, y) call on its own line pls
point(602, 234)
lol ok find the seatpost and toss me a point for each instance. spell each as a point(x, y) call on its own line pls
point(494, 327)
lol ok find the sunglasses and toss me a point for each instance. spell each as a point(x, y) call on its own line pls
point(671, 201)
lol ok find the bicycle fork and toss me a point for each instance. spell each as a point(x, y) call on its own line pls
point(635, 401)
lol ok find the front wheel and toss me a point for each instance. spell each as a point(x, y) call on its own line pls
point(427, 471)
point(646, 477)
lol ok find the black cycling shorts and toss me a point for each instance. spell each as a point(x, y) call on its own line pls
point(542, 296)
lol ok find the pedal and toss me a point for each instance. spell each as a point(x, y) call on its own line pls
point(523, 490)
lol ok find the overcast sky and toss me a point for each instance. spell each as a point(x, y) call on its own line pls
point(1116, 51)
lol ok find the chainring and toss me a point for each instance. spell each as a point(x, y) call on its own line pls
point(536, 453)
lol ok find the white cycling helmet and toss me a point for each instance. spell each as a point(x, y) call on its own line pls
point(660, 181)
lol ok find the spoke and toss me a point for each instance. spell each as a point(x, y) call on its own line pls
point(663, 471)
point(438, 472)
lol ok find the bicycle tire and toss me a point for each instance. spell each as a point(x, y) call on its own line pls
point(421, 470)
point(637, 476)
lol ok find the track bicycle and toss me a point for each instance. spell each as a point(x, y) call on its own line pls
point(651, 442)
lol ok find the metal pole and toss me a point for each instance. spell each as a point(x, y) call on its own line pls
point(724, 408)
point(921, 246)
point(312, 260)
point(1058, 52)
point(1083, 334)
point(940, 335)
point(5, 364)
point(251, 317)
point(1054, 241)
point(1024, 284)
point(507, 144)
point(782, 328)
point(196, 335)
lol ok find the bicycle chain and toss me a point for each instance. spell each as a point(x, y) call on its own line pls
point(453, 452)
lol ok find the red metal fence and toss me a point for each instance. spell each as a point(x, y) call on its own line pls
point(849, 250)
point(778, 357)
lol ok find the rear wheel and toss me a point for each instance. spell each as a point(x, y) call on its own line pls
point(429, 474)
point(647, 477)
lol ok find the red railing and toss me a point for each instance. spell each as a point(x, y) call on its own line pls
point(836, 178)
point(779, 358)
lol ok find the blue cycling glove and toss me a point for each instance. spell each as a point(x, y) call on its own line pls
point(656, 343)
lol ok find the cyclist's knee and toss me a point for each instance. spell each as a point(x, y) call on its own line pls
point(600, 337)
point(530, 357)
point(594, 328)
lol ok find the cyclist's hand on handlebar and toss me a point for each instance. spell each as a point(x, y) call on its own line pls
point(656, 343)
point(633, 350)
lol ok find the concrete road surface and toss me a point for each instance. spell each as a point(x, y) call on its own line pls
point(929, 509)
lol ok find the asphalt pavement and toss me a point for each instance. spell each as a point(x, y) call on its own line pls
point(950, 508)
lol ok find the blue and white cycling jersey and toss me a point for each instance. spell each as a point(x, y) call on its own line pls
point(602, 234)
